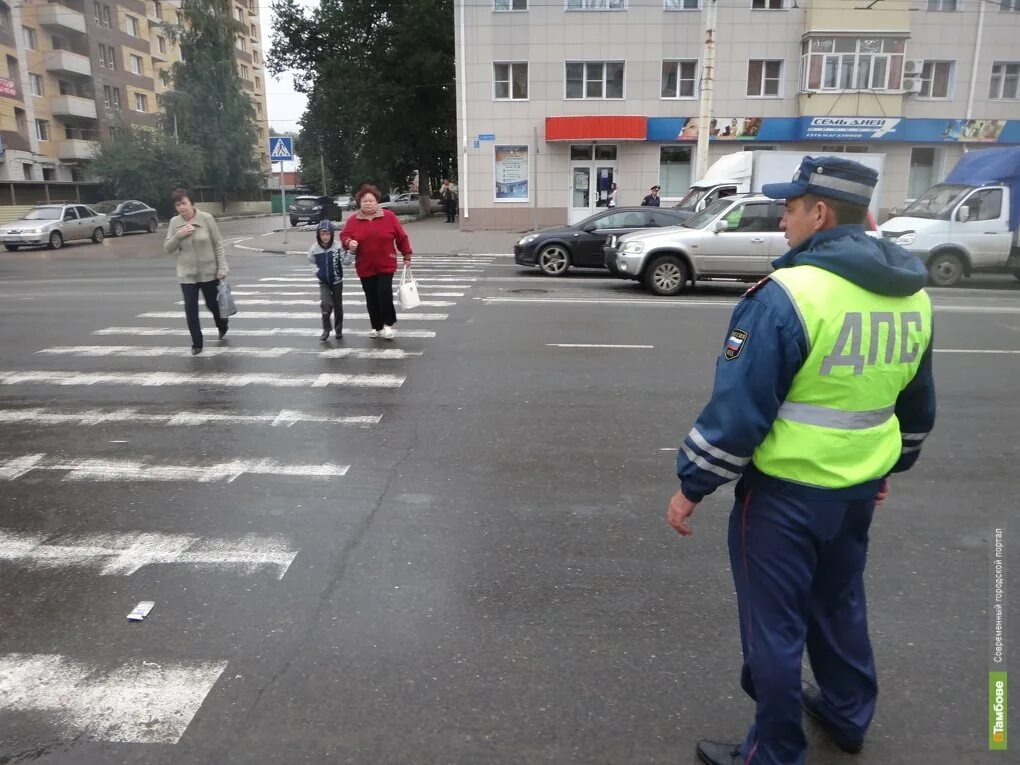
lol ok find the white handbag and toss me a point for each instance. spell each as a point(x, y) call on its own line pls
point(407, 292)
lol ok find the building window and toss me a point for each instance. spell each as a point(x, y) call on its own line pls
point(239, 12)
point(42, 130)
point(180, 18)
point(674, 170)
point(942, 5)
point(116, 99)
point(679, 79)
point(594, 79)
point(936, 79)
point(108, 96)
point(254, 32)
point(852, 63)
point(510, 81)
point(258, 109)
point(106, 17)
point(925, 168)
point(240, 44)
point(35, 84)
point(1010, 5)
point(681, 5)
point(161, 44)
point(157, 9)
point(596, 5)
point(135, 62)
point(5, 18)
point(244, 72)
point(28, 37)
point(764, 78)
point(510, 5)
point(13, 72)
point(262, 134)
point(258, 84)
point(844, 148)
point(768, 5)
point(49, 174)
point(102, 55)
point(26, 168)
point(132, 26)
point(98, 10)
point(141, 102)
point(1005, 77)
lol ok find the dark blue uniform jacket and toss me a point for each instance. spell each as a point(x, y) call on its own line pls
point(751, 385)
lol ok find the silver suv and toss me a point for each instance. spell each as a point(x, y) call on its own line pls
point(733, 238)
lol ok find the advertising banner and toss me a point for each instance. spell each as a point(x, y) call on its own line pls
point(511, 173)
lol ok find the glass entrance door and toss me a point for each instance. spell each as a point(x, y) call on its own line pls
point(592, 172)
point(580, 193)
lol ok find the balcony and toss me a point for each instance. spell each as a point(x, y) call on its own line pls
point(76, 149)
point(73, 106)
point(62, 18)
point(65, 62)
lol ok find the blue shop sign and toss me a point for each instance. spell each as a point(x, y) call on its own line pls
point(843, 129)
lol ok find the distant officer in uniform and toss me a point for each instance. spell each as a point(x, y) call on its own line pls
point(651, 198)
point(823, 388)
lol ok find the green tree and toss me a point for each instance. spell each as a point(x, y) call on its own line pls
point(144, 164)
point(380, 79)
point(207, 106)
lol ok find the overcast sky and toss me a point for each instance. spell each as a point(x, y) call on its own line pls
point(285, 104)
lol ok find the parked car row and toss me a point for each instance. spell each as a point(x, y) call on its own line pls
point(51, 225)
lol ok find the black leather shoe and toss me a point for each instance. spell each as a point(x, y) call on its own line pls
point(223, 333)
point(195, 350)
point(324, 336)
point(811, 698)
point(718, 753)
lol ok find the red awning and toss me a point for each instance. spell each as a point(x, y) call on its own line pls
point(596, 128)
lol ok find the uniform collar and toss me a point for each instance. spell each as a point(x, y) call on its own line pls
point(836, 232)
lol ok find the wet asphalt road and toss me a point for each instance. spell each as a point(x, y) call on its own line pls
point(490, 581)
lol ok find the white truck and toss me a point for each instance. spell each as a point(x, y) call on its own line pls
point(967, 223)
point(748, 171)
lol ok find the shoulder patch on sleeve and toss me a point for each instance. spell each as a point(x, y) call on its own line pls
point(755, 287)
point(735, 344)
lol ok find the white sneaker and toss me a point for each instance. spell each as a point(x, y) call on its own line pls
point(388, 332)
point(373, 333)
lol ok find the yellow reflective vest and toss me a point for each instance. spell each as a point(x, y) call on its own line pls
point(837, 427)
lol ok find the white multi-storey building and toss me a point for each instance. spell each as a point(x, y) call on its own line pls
point(557, 99)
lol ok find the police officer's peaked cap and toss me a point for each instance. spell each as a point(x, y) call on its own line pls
point(830, 177)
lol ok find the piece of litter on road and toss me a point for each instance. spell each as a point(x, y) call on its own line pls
point(141, 611)
point(118, 442)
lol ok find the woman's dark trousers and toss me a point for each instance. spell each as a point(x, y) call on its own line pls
point(208, 290)
point(379, 300)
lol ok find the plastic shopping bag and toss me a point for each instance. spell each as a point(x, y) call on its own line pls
point(407, 292)
point(225, 300)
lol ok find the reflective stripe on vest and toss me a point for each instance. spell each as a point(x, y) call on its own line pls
point(837, 427)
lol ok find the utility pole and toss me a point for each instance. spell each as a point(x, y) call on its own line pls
point(707, 83)
point(322, 170)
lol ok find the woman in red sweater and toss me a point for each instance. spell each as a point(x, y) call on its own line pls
point(373, 234)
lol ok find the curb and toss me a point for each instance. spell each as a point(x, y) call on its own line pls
point(165, 223)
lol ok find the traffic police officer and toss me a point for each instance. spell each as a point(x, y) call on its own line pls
point(823, 388)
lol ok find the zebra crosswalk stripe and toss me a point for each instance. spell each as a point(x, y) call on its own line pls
point(156, 379)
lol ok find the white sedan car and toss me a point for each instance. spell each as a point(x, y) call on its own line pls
point(52, 225)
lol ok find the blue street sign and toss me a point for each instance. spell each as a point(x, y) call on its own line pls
point(281, 148)
point(486, 136)
point(477, 144)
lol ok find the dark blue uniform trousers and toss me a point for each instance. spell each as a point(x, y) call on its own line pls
point(798, 566)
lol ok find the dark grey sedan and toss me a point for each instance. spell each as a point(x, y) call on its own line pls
point(554, 250)
point(128, 215)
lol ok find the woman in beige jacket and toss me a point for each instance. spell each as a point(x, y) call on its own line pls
point(194, 238)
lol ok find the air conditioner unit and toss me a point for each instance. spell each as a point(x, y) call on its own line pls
point(913, 67)
point(912, 85)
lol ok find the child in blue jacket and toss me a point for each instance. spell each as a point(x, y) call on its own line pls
point(327, 256)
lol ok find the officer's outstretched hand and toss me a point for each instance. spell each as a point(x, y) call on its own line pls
point(680, 509)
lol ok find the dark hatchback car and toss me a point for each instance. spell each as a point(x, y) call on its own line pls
point(313, 209)
point(554, 250)
point(128, 215)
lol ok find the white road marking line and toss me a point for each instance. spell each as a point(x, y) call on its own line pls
point(244, 239)
point(974, 350)
point(268, 301)
point(18, 466)
point(158, 379)
point(137, 702)
point(284, 418)
point(269, 233)
point(313, 294)
point(649, 303)
point(402, 316)
point(594, 345)
point(668, 449)
point(242, 332)
point(289, 280)
point(965, 308)
point(145, 351)
point(136, 470)
point(125, 554)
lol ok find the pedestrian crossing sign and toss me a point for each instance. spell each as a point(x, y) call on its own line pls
point(281, 148)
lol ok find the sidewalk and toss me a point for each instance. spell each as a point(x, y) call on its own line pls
point(432, 236)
